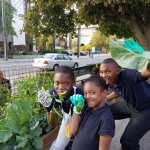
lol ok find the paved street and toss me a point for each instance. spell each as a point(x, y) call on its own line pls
point(83, 60)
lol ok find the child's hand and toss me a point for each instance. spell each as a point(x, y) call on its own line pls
point(132, 46)
point(78, 102)
point(44, 98)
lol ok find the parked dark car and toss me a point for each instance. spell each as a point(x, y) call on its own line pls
point(67, 52)
point(97, 52)
point(81, 53)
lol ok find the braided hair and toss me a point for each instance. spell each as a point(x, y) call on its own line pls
point(99, 81)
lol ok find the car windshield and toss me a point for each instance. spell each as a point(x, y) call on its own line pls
point(48, 56)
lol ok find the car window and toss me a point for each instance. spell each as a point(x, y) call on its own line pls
point(48, 56)
point(60, 57)
point(66, 57)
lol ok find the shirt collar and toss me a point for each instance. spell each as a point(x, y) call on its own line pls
point(97, 111)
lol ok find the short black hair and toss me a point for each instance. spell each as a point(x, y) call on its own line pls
point(110, 60)
point(95, 71)
point(99, 81)
point(65, 69)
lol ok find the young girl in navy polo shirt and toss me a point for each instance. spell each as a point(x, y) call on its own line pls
point(131, 85)
point(94, 126)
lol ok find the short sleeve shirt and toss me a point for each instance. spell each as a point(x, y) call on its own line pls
point(93, 124)
point(66, 104)
point(134, 89)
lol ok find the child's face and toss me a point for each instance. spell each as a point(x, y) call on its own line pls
point(109, 72)
point(63, 82)
point(94, 95)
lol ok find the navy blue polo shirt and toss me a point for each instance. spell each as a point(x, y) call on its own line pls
point(66, 104)
point(93, 124)
point(134, 89)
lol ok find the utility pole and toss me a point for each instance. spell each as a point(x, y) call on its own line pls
point(79, 40)
point(4, 30)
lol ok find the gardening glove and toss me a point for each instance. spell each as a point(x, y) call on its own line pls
point(78, 102)
point(44, 98)
point(132, 45)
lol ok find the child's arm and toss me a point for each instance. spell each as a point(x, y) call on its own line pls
point(111, 96)
point(104, 142)
point(74, 124)
point(54, 122)
point(146, 72)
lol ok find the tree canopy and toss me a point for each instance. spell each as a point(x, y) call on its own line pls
point(9, 13)
point(124, 18)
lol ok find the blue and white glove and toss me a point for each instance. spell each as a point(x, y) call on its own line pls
point(78, 102)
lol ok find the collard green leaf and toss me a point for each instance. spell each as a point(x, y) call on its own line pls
point(25, 118)
point(21, 144)
point(57, 100)
point(3, 146)
point(37, 142)
point(11, 144)
point(24, 130)
point(34, 123)
point(28, 146)
point(21, 138)
point(37, 131)
point(5, 133)
point(127, 58)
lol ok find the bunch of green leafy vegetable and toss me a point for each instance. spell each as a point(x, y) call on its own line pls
point(127, 58)
point(21, 131)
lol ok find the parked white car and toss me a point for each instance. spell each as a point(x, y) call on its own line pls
point(52, 61)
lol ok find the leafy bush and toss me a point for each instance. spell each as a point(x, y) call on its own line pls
point(21, 130)
point(30, 53)
point(17, 53)
point(11, 53)
point(24, 53)
point(59, 51)
point(44, 52)
point(24, 48)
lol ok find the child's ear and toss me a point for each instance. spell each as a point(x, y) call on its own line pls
point(118, 70)
point(105, 92)
point(73, 82)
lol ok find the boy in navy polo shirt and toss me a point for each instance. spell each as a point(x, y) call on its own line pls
point(63, 81)
point(94, 125)
point(131, 85)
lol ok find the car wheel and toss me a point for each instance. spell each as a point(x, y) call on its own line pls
point(55, 67)
point(75, 65)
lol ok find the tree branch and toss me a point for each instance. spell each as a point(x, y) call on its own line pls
point(139, 16)
point(121, 17)
point(148, 17)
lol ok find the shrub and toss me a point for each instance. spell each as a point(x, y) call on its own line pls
point(23, 48)
point(24, 53)
point(11, 53)
point(59, 51)
point(30, 53)
point(17, 53)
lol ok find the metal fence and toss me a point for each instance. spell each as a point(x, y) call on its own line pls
point(11, 74)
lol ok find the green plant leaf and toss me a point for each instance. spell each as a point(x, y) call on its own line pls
point(5, 133)
point(128, 59)
point(25, 117)
point(28, 146)
point(11, 144)
point(21, 138)
point(21, 144)
point(37, 131)
point(37, 142)
point(51, 117)
point(57, 100)
point(24, 130)
point(3, 146)
point(34, 123)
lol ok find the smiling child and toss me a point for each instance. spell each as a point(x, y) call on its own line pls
point(94, 127)
point(131, 85)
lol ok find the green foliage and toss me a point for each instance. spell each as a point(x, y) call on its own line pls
point(28, 88)
point(127, 58)
point(14, 53)
point(62, 48)
point(48, 18)
point(10, 11)
point(99, 41)
point(59, 51)
point(21, 130)
point(24, 53)
point(49, 44)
